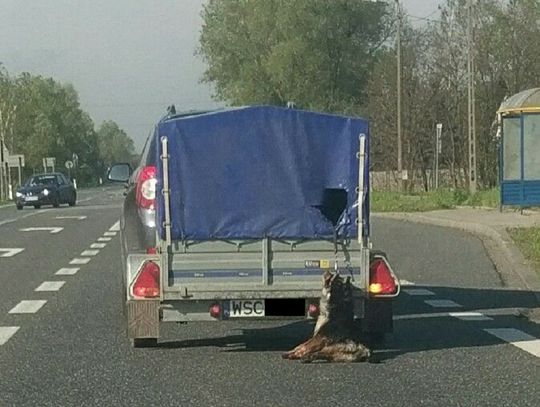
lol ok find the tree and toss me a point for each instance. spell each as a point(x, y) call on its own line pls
point(317, 53)
point(114, 144)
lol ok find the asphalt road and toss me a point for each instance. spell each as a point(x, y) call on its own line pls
point(70, 348)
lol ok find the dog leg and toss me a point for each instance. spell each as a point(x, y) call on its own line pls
point(346, 352)
point(312, 345)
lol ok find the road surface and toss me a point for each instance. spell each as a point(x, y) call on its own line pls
point(457, 340)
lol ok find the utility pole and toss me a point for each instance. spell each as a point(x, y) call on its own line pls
point(471, 114)
point(398, 59)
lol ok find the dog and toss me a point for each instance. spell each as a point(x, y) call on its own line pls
point(332, 337)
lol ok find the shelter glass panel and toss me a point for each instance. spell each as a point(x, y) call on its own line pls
point(511, 148)
point(531, 146)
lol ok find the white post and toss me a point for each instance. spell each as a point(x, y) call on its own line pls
point(10, 192)
point(361, 173)
point(438, 149)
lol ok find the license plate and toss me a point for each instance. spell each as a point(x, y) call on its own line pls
point(246, 308)
point(31, 198)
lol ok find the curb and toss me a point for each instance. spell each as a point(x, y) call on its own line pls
point(513, 268)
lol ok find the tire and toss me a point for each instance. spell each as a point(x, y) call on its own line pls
point(37, 206)
point(144, 342)
point(19, 207)
point(73, 202)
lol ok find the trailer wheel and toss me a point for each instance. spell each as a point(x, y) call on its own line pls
point(144, 342)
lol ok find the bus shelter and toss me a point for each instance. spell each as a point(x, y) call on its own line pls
point(518, 121)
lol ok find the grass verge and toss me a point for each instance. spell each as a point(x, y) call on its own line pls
point(387, 201)
point(528, 241)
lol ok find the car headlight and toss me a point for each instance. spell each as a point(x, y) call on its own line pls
point(19, 194)
point(45, 192)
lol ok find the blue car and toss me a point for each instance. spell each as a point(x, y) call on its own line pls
point(46, 189)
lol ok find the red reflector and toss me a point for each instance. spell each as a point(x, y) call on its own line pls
point(146, 187)
point(215, 311)
point(313, 310)
point(147, 283)
point(151, 250)
point(381, 281)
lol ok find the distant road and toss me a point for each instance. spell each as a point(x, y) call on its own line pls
point(457, 341)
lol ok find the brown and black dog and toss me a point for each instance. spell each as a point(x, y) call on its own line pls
point(332, 338)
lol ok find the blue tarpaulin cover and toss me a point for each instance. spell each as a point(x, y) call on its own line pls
point(255, 172)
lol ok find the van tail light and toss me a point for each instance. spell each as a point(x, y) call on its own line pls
point(382, 281)
point(147, 282)
point(146, 187)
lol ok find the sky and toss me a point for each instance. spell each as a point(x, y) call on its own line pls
point(128, 59)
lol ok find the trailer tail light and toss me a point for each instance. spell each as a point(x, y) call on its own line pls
point(382, 281)
point(146, 187)
point(147, 282)
point(313, 310)
point(215, 311)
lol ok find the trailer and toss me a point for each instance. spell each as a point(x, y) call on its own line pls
point(251, 205)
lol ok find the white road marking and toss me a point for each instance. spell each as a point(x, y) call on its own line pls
point(491, 312)
point(442, 303)
point(89, 252)
point(72, 217)
point(10, 252)
point(80, 261)
point(470, 316)
point(405, 282)
point(418, 291)
point(50, 286)
point(517, 338)
point(104, 239)
point(7, 332)
point(109, 234)
point(115, 227)
point(27, 307)
point(98, 245)
point(67, 271)
point(52, 230)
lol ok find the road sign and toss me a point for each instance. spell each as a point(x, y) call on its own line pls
point(50, 161)
point(15, 160)
point(69, 164)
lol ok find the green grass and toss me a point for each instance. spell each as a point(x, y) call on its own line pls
point(428, 201)
point(528, 241)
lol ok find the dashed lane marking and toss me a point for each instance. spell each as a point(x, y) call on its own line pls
point(50, 286)
point(6, 332)
point(89, 252)
point(67, 271)
point(104, 239)
point(442, 303)
point(109, 234)
point(51, 230)
point(80, 260)
point(82, 217)
point(115, 227)
point(504, 312)
point(97, 245)
point(5, 252)
point(418, 291)
point(517, 338)
point(27, 307)
point(470, 316)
